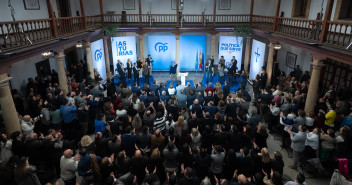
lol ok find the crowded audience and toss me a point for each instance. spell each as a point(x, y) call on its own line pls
point(154, 134)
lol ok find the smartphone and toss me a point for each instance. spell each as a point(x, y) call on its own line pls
point(247, 115)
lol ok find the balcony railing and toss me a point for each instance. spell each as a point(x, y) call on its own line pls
point(300, 29)
point(263, 22)
point(19, 34)
point(339, 33)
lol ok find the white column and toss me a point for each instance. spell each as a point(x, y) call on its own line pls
point(11, 120)
point(62, 72)
point(141, 47)
point(178, 53)
point(312, 94)
point(89, 59)
point(270, 64)
point(248, 54)
point(107, 57)
point(212, 51)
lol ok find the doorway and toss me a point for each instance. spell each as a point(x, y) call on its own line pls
point(63, 8)
point(71, 59)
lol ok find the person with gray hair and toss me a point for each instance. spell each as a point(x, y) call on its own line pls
point(68, 167)
point(27, 125)
point(164, 97)
point(188, 88)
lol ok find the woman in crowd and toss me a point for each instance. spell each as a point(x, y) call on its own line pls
point(171, 90)
point(327, 143)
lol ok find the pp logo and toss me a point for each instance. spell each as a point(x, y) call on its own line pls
point(161, 47)
point(98, 55)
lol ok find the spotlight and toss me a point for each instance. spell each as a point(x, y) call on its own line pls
point(46, 55)
point(277, 46)
point(79, 44)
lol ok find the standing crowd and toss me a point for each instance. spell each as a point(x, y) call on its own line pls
point(177, 135)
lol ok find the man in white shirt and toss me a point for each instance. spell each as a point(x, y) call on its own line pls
point(68, 165)
point(312, 144)
point(27, 125)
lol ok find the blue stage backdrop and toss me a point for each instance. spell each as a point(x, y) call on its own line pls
point(98, 57)
point(257, 58)
point(192, 52)
point(231, 46)
point(163, 51)
point(123, 48)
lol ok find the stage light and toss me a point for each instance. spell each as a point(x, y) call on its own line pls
point(46, 55)
point(277, 46)
point(79, 44)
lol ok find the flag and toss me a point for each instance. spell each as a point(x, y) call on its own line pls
point(200, 61)
point(202, 67)
point(196, 67)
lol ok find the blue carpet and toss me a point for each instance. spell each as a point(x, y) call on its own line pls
point(215, 79)
point(130, 82)
point(174, 83)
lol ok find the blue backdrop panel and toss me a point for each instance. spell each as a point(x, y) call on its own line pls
point(257, 58)
point(163, 51)
point(192, 52)
point(231, 46)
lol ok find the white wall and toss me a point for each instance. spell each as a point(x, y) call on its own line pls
point(75, 6)
point(315, 7)
point(190, 7)
point(304, 58)
point(264, 7)
point(22, 70)
point(21, 13)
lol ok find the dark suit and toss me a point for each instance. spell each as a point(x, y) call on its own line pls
point(234, 63)
point(129, 70)
point(122, 74)
point(226, 90)
point(128, 142)
point(231, 73)
point(135, 75)
point(136, 90)
point(118, 67)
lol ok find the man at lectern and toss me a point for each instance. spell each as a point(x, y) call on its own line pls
point(173, 70)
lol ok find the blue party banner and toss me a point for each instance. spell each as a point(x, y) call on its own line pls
point(98, 57)
point(123, 48)
point(193, 52)
point(163, 51)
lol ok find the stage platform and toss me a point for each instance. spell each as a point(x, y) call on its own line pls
point(192, 78)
